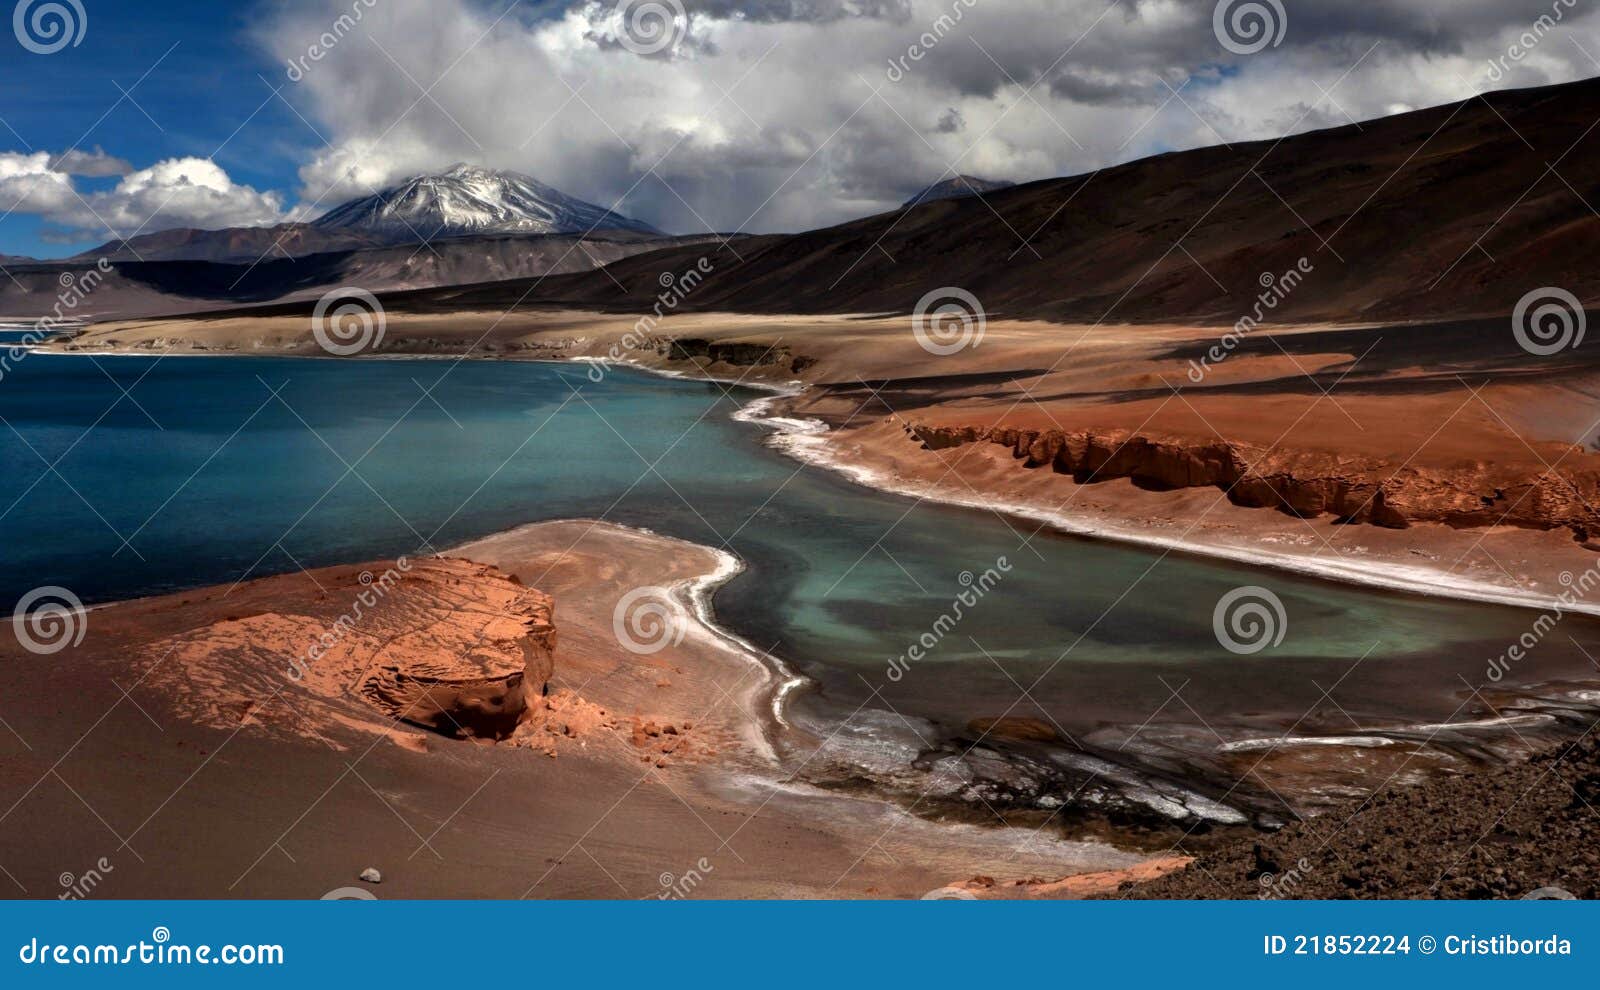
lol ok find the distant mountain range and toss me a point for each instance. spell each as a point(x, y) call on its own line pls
point(462, 201)
point(959, 187)
point(231, 244)
point(462, 226)
point(1452, 211)
point(159, 288)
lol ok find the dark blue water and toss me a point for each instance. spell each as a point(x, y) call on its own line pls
point(213, 470)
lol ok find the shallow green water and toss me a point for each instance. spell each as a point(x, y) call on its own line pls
point(217, 469)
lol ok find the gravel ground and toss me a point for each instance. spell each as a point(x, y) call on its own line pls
point(1518, 831)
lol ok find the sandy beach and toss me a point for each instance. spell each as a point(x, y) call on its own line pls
point(195, 765)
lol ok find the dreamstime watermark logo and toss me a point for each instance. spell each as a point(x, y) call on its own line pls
point(49, 619)
point(159, 951)
point(349, 894)
point(75, 288)
point(1577, 588)
point(1274, 290)
point(48, 27)
point(76, 888)
point(677, 887)
point(650, 27)
point(1246, 27)
point(328, 40)
point(974, 588)
point(948, 320)
point(648, 620)
point(348, 321)
point(949, 894)
point(1528, 40)
point(374, 588)
point(1248, 620)
point(1277, 886)
point(16, 350)
point(928, 40)
point(675, 288)
point(1549, 894)
point(1548, 320)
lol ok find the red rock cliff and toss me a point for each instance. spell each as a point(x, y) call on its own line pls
point(1303, 483)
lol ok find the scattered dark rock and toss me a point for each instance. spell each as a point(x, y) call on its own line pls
point(1499, 833)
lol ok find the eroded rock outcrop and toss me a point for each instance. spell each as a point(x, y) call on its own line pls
point(471, 666)
point(1304, 483)
point(450, 645)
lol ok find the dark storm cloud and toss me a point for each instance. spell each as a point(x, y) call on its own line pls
point(1135, 44)
point(1082, 87)
point(1421, 26)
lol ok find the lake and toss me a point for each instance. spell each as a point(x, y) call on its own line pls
point(128, 476)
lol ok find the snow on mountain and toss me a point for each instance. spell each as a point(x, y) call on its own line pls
point(466, 199)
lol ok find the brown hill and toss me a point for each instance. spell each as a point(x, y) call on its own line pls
point(152, 287)
point(231, 244)
point(1451, 211)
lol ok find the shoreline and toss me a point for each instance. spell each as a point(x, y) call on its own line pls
point(694, 595)
point(811, 441)
point(627, 767)
point(808, 440)
point(757, 776)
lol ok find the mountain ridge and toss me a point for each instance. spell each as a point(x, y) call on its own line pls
point(467, 199)
point(957, 187)
point(361, 224)
point(162, 287)
point(1195, 235)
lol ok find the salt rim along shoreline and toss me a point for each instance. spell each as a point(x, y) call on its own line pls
point(807, 440)
point(774, 775)
point(812, 442)
point(694, 595)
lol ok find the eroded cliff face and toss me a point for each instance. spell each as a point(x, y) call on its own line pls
point(1307, 483)
point(450, 645)
point(473, 669)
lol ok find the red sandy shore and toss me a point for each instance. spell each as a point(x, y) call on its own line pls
point(461, 732)
point(1433, 458)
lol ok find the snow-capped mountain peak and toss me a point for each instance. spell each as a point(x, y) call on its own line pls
point(467, 199)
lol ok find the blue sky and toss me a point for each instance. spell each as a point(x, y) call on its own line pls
point(200, 93)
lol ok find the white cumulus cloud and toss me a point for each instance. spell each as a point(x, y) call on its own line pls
point(764, 115)
point(177, 192)
point(183, 192)
point(782, 114)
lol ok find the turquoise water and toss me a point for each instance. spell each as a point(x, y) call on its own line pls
point(212, 470)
